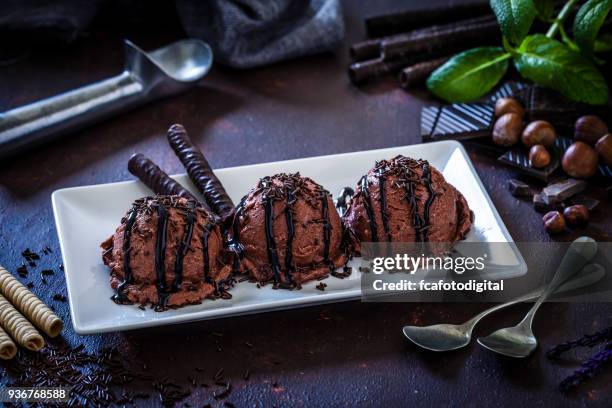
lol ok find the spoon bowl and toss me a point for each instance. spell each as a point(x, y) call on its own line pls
point(519, 341)
point(439, 337)
point(512, 342)
point(183, 61)
point(446, 337)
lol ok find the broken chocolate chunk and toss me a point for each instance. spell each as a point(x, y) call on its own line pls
point(540, 204)
point(561, 191)
point(519, 189)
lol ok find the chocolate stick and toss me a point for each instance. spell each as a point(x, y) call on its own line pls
point(418, 73)
point(402, 21)
point(465, 34)
point(365, 50)
point(362, 71)
point(200, 172)
point(155, 178)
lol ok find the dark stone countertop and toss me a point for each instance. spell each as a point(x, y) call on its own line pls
point(343, 354)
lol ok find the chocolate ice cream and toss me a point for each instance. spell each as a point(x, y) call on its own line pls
point(168, 251)
point(288, 231)
point(406, 200)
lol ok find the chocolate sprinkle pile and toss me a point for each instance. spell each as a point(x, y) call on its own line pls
point(96, 380)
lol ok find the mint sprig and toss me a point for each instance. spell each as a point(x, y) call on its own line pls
point(514, 18)
point(568, 67)
point(466, 75)
point(550, 63)
point(587, 23)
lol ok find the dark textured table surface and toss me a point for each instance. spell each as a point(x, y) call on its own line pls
point(344, 354)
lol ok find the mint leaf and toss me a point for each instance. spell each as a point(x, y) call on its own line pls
point(470, 74)
point(514, 17)
point(550, 63)
point(587, 23)
point(544, 9)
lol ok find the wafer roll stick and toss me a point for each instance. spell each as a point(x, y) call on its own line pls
point(155, 178)
point(31, 306)
point(8, 349)
point(200, 172)
point(18, 327)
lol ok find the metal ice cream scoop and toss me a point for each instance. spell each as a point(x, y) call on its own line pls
point(147, 76)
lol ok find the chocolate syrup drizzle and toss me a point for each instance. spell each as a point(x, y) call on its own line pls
point(120, 296)
point(289, 190)
point(405, 168)
point(269, 229)
point(234, 242)
point(184, 247)
point(326, 230)
point(344, 199)
point(160, 255)
point(430, 198)
point(206, 256)
point(383, 206)
point(368, 207)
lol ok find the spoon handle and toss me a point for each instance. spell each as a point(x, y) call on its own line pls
point(30, 124)
point(589, 275)
point(581, 251)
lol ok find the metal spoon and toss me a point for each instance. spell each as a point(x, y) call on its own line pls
point(146, 76)
point(446, 337)
point(519, 341)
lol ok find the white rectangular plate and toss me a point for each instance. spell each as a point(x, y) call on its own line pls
point(86, 216)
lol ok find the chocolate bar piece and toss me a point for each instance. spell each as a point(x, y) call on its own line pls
point(200, 172)
point(540, 204)
point(519, 189)
point(155, 178)
point(464, 121)
point(518, 158)
point(561, 191)
point(458, 121)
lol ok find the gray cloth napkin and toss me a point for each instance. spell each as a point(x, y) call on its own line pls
point(249, 33)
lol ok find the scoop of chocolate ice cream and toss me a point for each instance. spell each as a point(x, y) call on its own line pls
point(168, 251)
point(406, 200)
point(288, 231)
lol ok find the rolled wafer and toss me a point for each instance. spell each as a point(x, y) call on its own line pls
point(200, 172)
point(30, 305)
point(18, 327)
point(155, 178)
point(8, 349)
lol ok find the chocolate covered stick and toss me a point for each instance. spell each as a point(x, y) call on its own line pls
point(416, 74)
point(155, 178)
point(200, 172)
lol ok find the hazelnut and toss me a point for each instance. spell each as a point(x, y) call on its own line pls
point(553, 222)
point(507, 129)
point(576, 215)
point(580, 160)
point(539, 156)
point(604, 148)
point(508, 105)
point(589, 129)
point(539, 132)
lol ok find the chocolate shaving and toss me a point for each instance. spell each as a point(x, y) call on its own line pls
point(200, 172)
